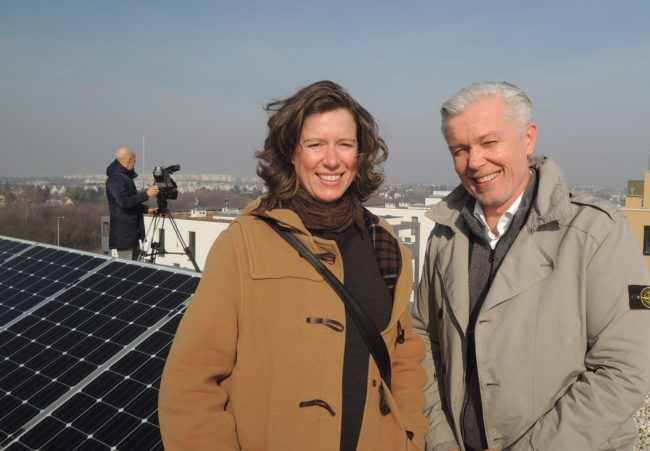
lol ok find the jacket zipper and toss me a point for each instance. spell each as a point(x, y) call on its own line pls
point(474, 366)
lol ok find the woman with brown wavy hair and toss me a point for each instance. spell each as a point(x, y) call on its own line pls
point(267, 356)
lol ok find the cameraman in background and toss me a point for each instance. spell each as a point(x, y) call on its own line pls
point(126, 206)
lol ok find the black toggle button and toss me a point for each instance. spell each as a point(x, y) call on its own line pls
point(331, 323)
point(319, 403)
point(327, 257)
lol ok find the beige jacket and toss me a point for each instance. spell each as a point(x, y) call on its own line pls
point(244, 356)
point(563, 361)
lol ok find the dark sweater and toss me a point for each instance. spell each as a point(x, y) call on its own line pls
point(363, 280)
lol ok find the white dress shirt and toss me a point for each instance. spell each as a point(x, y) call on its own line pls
point(502, 224)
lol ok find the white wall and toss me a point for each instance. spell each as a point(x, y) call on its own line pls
point(206, 231)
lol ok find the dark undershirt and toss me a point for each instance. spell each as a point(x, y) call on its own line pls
point(364, 282)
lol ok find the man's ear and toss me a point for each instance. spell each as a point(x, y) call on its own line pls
point(530, 138)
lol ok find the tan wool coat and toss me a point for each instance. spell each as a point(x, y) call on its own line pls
point(245, 357)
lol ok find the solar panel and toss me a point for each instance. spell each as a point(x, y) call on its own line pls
point(37, 272)
point(9, 248)
point(83, 341)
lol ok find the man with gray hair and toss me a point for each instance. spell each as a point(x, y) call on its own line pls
point(126, 205)
point(533, 301)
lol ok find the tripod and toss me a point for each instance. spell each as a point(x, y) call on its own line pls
point(154, 248)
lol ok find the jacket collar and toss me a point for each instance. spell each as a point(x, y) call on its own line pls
point(116, 168)
point(283, 216)
point(552, 202)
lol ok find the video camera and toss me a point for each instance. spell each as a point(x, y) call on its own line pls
point(167, 188)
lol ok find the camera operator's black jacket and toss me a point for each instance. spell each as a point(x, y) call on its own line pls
point(126, 206)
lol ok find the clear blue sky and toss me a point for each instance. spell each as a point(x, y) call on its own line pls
point(80, 79)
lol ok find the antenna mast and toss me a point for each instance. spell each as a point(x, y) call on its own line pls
point(143, 150)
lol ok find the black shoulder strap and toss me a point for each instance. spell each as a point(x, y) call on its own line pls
point(369, 332)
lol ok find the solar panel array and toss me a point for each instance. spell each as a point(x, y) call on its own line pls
point(83, 341)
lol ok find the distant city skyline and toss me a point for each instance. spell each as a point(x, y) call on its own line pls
point(82, 79)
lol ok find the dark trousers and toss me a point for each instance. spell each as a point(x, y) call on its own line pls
point(129, 254)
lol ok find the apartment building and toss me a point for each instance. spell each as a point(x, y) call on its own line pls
point(637, 211)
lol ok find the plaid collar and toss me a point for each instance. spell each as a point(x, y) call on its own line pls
point(387, 252)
